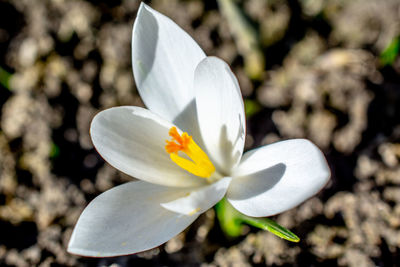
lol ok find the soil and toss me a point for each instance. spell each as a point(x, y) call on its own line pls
point(307, 69)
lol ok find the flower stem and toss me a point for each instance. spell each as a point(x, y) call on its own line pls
point(231, 222)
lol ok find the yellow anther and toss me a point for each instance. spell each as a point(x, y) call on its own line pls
point(199, 165)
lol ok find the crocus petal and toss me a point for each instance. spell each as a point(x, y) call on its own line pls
point(277, 177)
point(199, 200)
point(220, 112)
point(127, 219)
point(132, 139)
point(164, 58)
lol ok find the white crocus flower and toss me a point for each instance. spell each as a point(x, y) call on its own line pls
point(196, 106)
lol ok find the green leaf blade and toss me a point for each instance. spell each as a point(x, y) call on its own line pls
point(273, 227)
point(5, 78)
point(389, 54)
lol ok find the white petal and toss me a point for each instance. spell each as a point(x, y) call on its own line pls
point(132, 139)
point(220, 112)
point(199, 200)
point(277, 177)
point(164, 58)
point(127, 219)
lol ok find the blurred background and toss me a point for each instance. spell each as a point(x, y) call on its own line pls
point(323, 70)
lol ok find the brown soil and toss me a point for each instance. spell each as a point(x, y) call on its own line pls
point(314, 73)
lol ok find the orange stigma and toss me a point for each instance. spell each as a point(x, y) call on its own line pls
point(182, 142)
point(199, 165)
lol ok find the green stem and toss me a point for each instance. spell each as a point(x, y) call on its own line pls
point(231, 222)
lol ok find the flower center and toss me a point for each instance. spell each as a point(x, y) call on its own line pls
point(199, 165)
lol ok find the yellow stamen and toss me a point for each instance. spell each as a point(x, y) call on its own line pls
point(199, 165)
